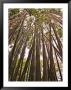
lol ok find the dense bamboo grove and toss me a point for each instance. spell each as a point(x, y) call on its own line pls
point(35, 45)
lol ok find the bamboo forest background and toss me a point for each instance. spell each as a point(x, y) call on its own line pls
point(35, 44)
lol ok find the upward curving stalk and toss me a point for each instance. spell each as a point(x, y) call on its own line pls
point(52, 73)
point(45, 61)
point(33, 63)
point(38, 70)
point(58, 40)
